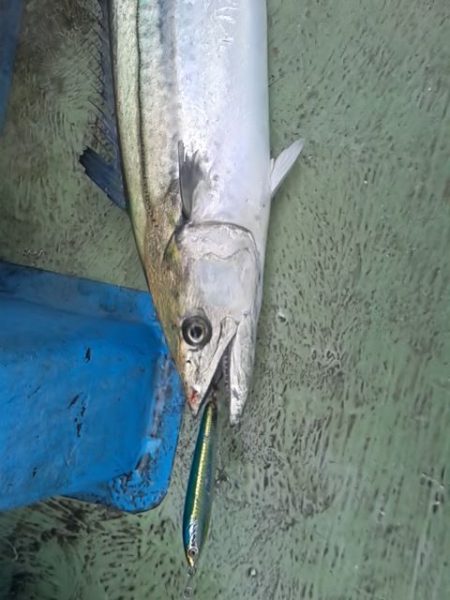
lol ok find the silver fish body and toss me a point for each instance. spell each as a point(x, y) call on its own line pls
point(191, 91)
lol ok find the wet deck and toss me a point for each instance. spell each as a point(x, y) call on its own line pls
point(336, 485)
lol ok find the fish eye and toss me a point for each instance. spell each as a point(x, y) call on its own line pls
point(196, 331)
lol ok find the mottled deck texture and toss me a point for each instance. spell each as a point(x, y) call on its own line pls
point(336, 485)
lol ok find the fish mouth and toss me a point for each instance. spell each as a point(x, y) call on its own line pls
point(207, 379)
point(196, 398)
point(232, 360)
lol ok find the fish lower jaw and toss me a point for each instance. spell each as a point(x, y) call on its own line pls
point(196, 398)
point(235, 400)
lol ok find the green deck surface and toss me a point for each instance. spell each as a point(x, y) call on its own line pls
point(336, 485)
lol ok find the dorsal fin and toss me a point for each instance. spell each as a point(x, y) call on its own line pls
point(106, 174)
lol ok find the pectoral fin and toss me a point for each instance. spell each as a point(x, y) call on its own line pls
point(193, 179)
point(283, 164)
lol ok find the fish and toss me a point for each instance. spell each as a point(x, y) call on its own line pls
point(191, 118)
point(200, 489)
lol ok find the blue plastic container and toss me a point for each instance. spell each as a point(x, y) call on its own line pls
point(90, 401)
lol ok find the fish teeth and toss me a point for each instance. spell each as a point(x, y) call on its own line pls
point(226, 369)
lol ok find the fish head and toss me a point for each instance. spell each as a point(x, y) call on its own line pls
point(219, 305)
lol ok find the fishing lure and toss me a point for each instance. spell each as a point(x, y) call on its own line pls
point(200, 489)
